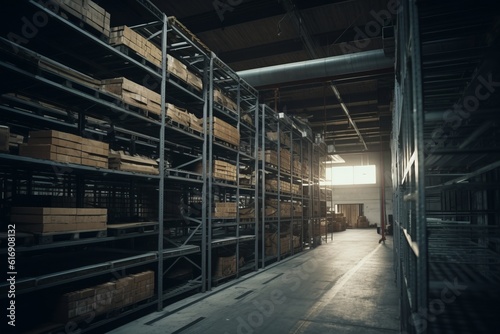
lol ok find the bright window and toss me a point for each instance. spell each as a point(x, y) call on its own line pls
point(350, 175)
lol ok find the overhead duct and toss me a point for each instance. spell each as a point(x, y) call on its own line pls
point(318, 68)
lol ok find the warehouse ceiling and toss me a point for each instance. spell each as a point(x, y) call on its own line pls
point(259, 33)
point(249, 34)
point(353, 109)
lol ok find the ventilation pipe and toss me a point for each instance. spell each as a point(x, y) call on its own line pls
point(318, 68)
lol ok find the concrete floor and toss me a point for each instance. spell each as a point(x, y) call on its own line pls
point(345, 286)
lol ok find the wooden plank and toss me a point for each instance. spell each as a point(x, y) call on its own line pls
point(56, 134)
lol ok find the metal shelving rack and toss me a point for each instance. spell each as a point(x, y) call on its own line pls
point(235, 235)
point(37, 99)
point(293, 226)
point(445, 168)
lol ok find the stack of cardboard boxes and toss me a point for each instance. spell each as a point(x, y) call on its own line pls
point(123, 161)
point(88, 12)
point(225, 209)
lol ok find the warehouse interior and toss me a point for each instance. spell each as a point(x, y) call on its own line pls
point(156, 155)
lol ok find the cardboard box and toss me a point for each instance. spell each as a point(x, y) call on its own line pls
point(123, 35)
point(120, 160)
point(226, 266)
point(134, 94)
point(89, 12)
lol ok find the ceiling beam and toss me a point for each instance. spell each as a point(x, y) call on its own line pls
point(245, 12)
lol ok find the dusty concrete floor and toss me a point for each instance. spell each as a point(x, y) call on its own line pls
point(344, 286)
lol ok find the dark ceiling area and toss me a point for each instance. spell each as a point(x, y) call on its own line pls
point(351, 103)
point(259, 33)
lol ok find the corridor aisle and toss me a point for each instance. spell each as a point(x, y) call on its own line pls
point(344, 286)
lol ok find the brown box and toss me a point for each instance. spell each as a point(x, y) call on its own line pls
point(194, 80)
point(134, 94)
point(224, 131)
point(178, 115)
point(226, 266)
point(225, 209)
point(177, 68)
point(122, 161)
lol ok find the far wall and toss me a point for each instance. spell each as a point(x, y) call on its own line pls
point(369, 195)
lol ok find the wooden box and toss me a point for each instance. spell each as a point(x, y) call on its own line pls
point(134, 94)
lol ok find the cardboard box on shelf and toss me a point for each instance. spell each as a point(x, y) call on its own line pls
point(134, 94)
point(123, 35)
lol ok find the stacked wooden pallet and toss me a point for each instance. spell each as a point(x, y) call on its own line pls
point(101, 299)
point(54, 220)
point(89, 12)
point(123, 161)
point(123, 35)
point(134, 94)
point(181, 71)
point(225, 131)
point(224, 210)
point(65, 147)
point(224, 100)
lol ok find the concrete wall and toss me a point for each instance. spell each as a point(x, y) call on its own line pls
point(369, 195)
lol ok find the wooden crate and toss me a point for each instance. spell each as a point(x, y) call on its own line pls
point(120, 160)
point(51, 152)
point(89, 12)
point(123, 35)
point(134, 94)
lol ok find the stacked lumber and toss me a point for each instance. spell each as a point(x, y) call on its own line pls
point(123, 161)
point(134, 94)
point(224, 210)
point(94, 153)
point(123, 35)
point(224, 100)
point(55, 220)
point(224, 131)
point(65, 147)
point(100, 299)
point(89, 12)
point(224, 170)
point(226, 266)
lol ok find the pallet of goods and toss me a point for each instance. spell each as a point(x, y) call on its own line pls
point(46, 220)
point(224, 170)
point(134, 94)
point(224, 100)
point(123, 35)
point(271, 157)
point(65, 147)
point(285, 160)
point(120, 160)
point(271, 244)
point(247, 213)
point(225, 210)
point(226, 266)
point(104, 298)
point(283, 137)
point(88, 12)
point(225, 132)
point(177, 68)
point(183, 117)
